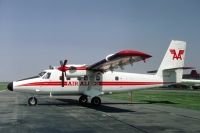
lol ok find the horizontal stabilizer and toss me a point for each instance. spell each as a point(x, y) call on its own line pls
point(183, 68)
point(177, 68)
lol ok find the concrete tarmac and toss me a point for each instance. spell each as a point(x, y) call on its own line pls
point(64, 115)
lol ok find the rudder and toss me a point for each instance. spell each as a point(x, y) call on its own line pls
point(172, 61)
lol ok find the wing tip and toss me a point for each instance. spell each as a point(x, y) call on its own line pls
point(133, 53)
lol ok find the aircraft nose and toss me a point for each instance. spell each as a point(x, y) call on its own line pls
point(10, 86)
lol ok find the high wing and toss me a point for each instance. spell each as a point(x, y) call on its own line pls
point(119, 59)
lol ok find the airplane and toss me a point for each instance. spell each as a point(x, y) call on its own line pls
point(91, 81)
point(191, 80)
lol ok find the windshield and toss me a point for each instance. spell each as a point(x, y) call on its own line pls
point(41, 74)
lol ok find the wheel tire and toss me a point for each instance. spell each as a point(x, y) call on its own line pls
point(96, 101)
point(83, 100)
point(32, 101)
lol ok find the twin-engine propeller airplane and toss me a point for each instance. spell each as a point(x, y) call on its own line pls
point(90, 81)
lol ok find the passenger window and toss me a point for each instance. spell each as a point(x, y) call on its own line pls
point(98, 77)
point(116, 78)
point(79, 78)
point(68, 78)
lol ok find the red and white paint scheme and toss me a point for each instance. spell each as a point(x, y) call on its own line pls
point(90, 81)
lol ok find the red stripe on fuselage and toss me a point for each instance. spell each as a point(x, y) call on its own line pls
point(86, 83)
point(128, 83)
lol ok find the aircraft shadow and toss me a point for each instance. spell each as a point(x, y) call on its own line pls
point(159, 102)
point(102, 108)
point(143, 102)
point(109, 109)
point(61, 102)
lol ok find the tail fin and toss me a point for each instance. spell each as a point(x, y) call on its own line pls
point(173, 59)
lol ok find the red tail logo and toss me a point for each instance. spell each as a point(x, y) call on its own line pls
point(176, 55)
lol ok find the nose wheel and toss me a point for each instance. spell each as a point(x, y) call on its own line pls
point(32, 101)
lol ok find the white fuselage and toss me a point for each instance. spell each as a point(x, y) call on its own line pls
point(99, 83)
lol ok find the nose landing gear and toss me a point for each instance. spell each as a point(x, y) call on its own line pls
point(32, 101)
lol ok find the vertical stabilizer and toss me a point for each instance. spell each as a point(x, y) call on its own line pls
point(172, 61)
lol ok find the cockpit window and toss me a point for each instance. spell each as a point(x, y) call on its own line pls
point(46, 76)
point(41, 74)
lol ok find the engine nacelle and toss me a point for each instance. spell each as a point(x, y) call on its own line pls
point(76, 71)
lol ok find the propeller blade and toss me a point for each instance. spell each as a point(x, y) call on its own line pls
point(63, 69)
point(61, 63)
point(63, 79)
point(65, 62)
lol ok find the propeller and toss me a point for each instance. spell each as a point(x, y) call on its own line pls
point(63, 69)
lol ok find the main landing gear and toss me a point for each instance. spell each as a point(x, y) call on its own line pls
point(95, 101)
point(83, 100)
point(32, 101)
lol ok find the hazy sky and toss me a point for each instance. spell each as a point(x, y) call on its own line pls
point(37, 33)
